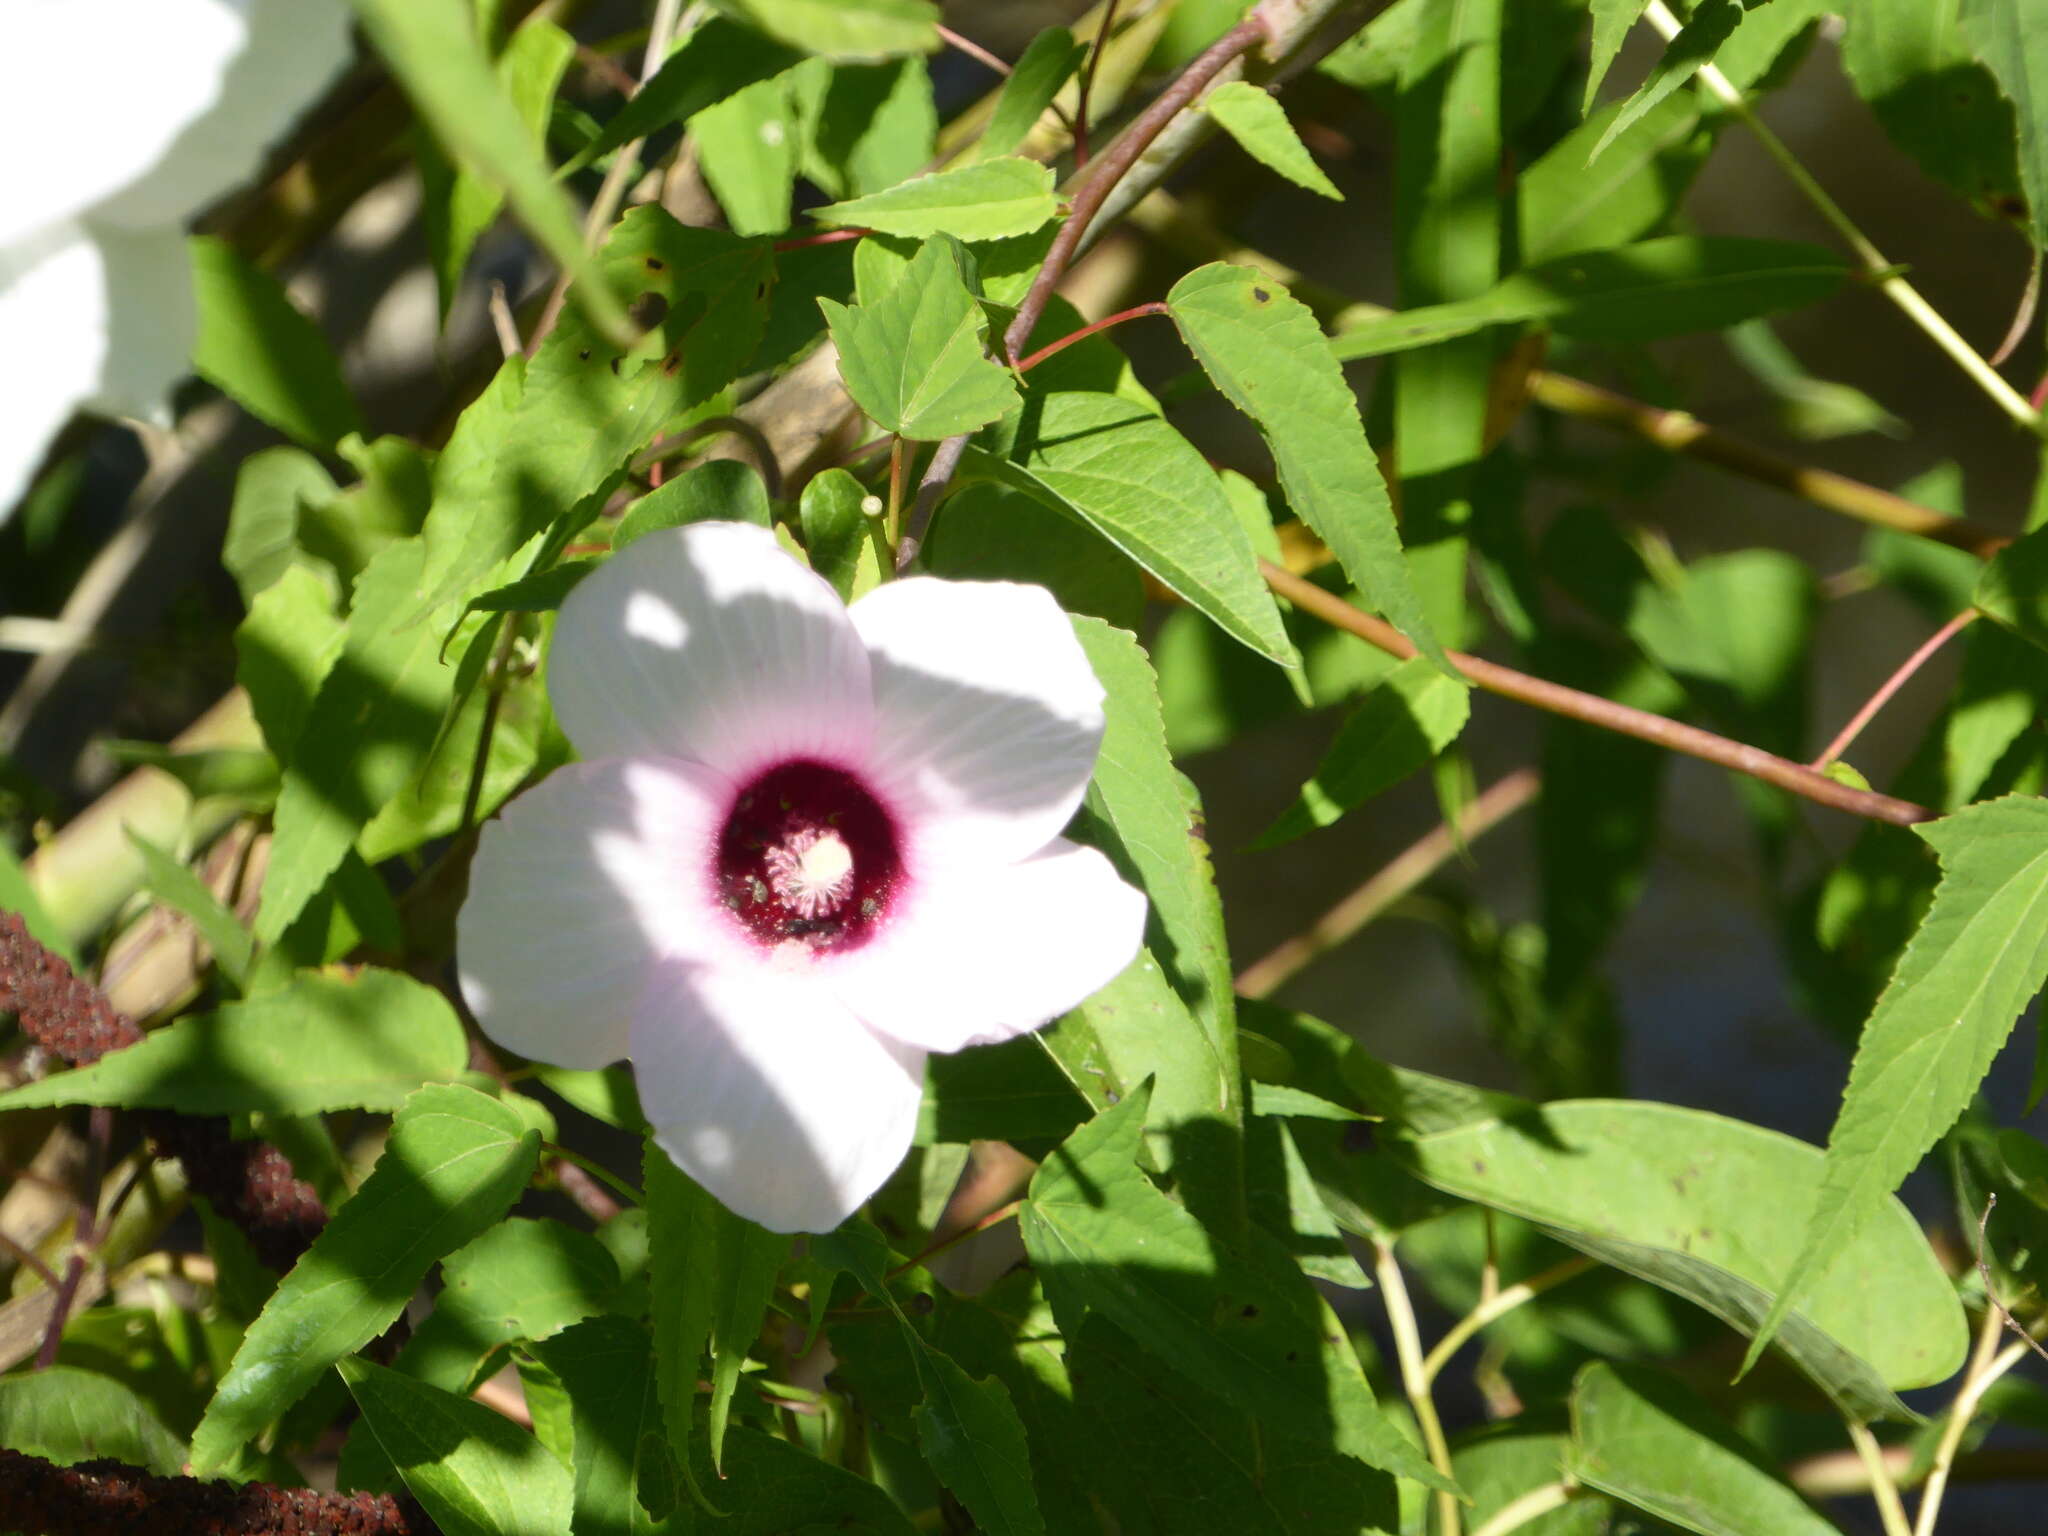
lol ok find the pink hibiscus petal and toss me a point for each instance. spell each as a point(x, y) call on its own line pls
point(990, 954)
point(708, 642)
point(766, 1091)
point(577, 892)
point(987, 715)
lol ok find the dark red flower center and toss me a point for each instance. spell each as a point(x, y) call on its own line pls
point(808, 856)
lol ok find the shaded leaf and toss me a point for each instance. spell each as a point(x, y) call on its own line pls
point(2009, 38)
point(1245, 1325)
point(1045, 65)
point(1645, 1440)
point(454, 1164)
point(839, 536)
point(1710, 25)
point(174, 884)
point(67, 1415)
point(475, 1471)
point(1411, 717)
point(262, 352)
point(720, 490)
point(845, 29)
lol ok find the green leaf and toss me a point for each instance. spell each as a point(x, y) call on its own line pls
point(867, 127)
point(1505, 1461)
point(1155, 819)
point(1913, 64)
point(172, 883)
point(1642, 1438)
point(1140, 1435)
point(67, 1415)
point(721, 490)
point(1046, 65)
point(716, 60)
point(915, 359)
point(456, 206)
point(542, 592)
point(2009, 39)
point(1611, 21)
point(747, 146)
point(1566, 206)
point(1119, 469)
point(432, 48)
point(845, 29)
point(454, 1164)
point(990, 533)
point(521, 1280)
point(1411, 717)
point(475, 1471)
point(2014, 587)
point(18, 895)
point(1243, 1324)
point(1976, 960)
point(359, 1040)
point(262, 353)
point(989, 200)
point(1997, 697)
point(1655, 288)
point(1007, 1092)
point(712, 1275)
point(547, 434)
point(770, 1487)
point(839, 536)
point(1259, 124)
point(968, 1429)
point(365, 735)
point(1265, 352)
point(1715, 1210)
point(1709, 27)
point(287, 646)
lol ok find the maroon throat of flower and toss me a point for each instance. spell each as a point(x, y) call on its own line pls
point(808, 857)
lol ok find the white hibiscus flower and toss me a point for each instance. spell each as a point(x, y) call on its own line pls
point(122, 119)
point(809, 845)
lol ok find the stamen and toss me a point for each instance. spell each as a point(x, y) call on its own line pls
point(812, 872)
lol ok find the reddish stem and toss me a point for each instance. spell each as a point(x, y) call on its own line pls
point(1658, 730)
point(1088, 84)
point(1890, 686)
point(973, 50)
point(1133, 313)
point(823, 237)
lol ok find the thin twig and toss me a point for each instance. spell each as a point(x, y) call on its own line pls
point(1502, 1302)
point(1402, 874)
point(937, 1246)
point(1990, 1293)
point(502, 321)
point(1890, 686)
point(1088, 84)
point(973, 50)
point(1680, 432)
point(1133, 313)
point(1987, 1364)
point(1414, 1381)
point(1672, 735)
point(1533, 1505)
point(1884, 273)
point(1882, 1489)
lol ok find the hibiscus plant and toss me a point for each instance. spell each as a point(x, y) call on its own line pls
point(616, 620)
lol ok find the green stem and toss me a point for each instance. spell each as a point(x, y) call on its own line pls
point(1414, 1378)
point(1499, 1305)
point(1882, 272)
point(1537, 1502)
point(599, 1172)
point(1882, 1488)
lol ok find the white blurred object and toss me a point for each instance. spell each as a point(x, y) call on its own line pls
point(129, 118)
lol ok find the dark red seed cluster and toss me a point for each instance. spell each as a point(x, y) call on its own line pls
point(792, 826)
point(250, 1183)
point(110, 1498)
